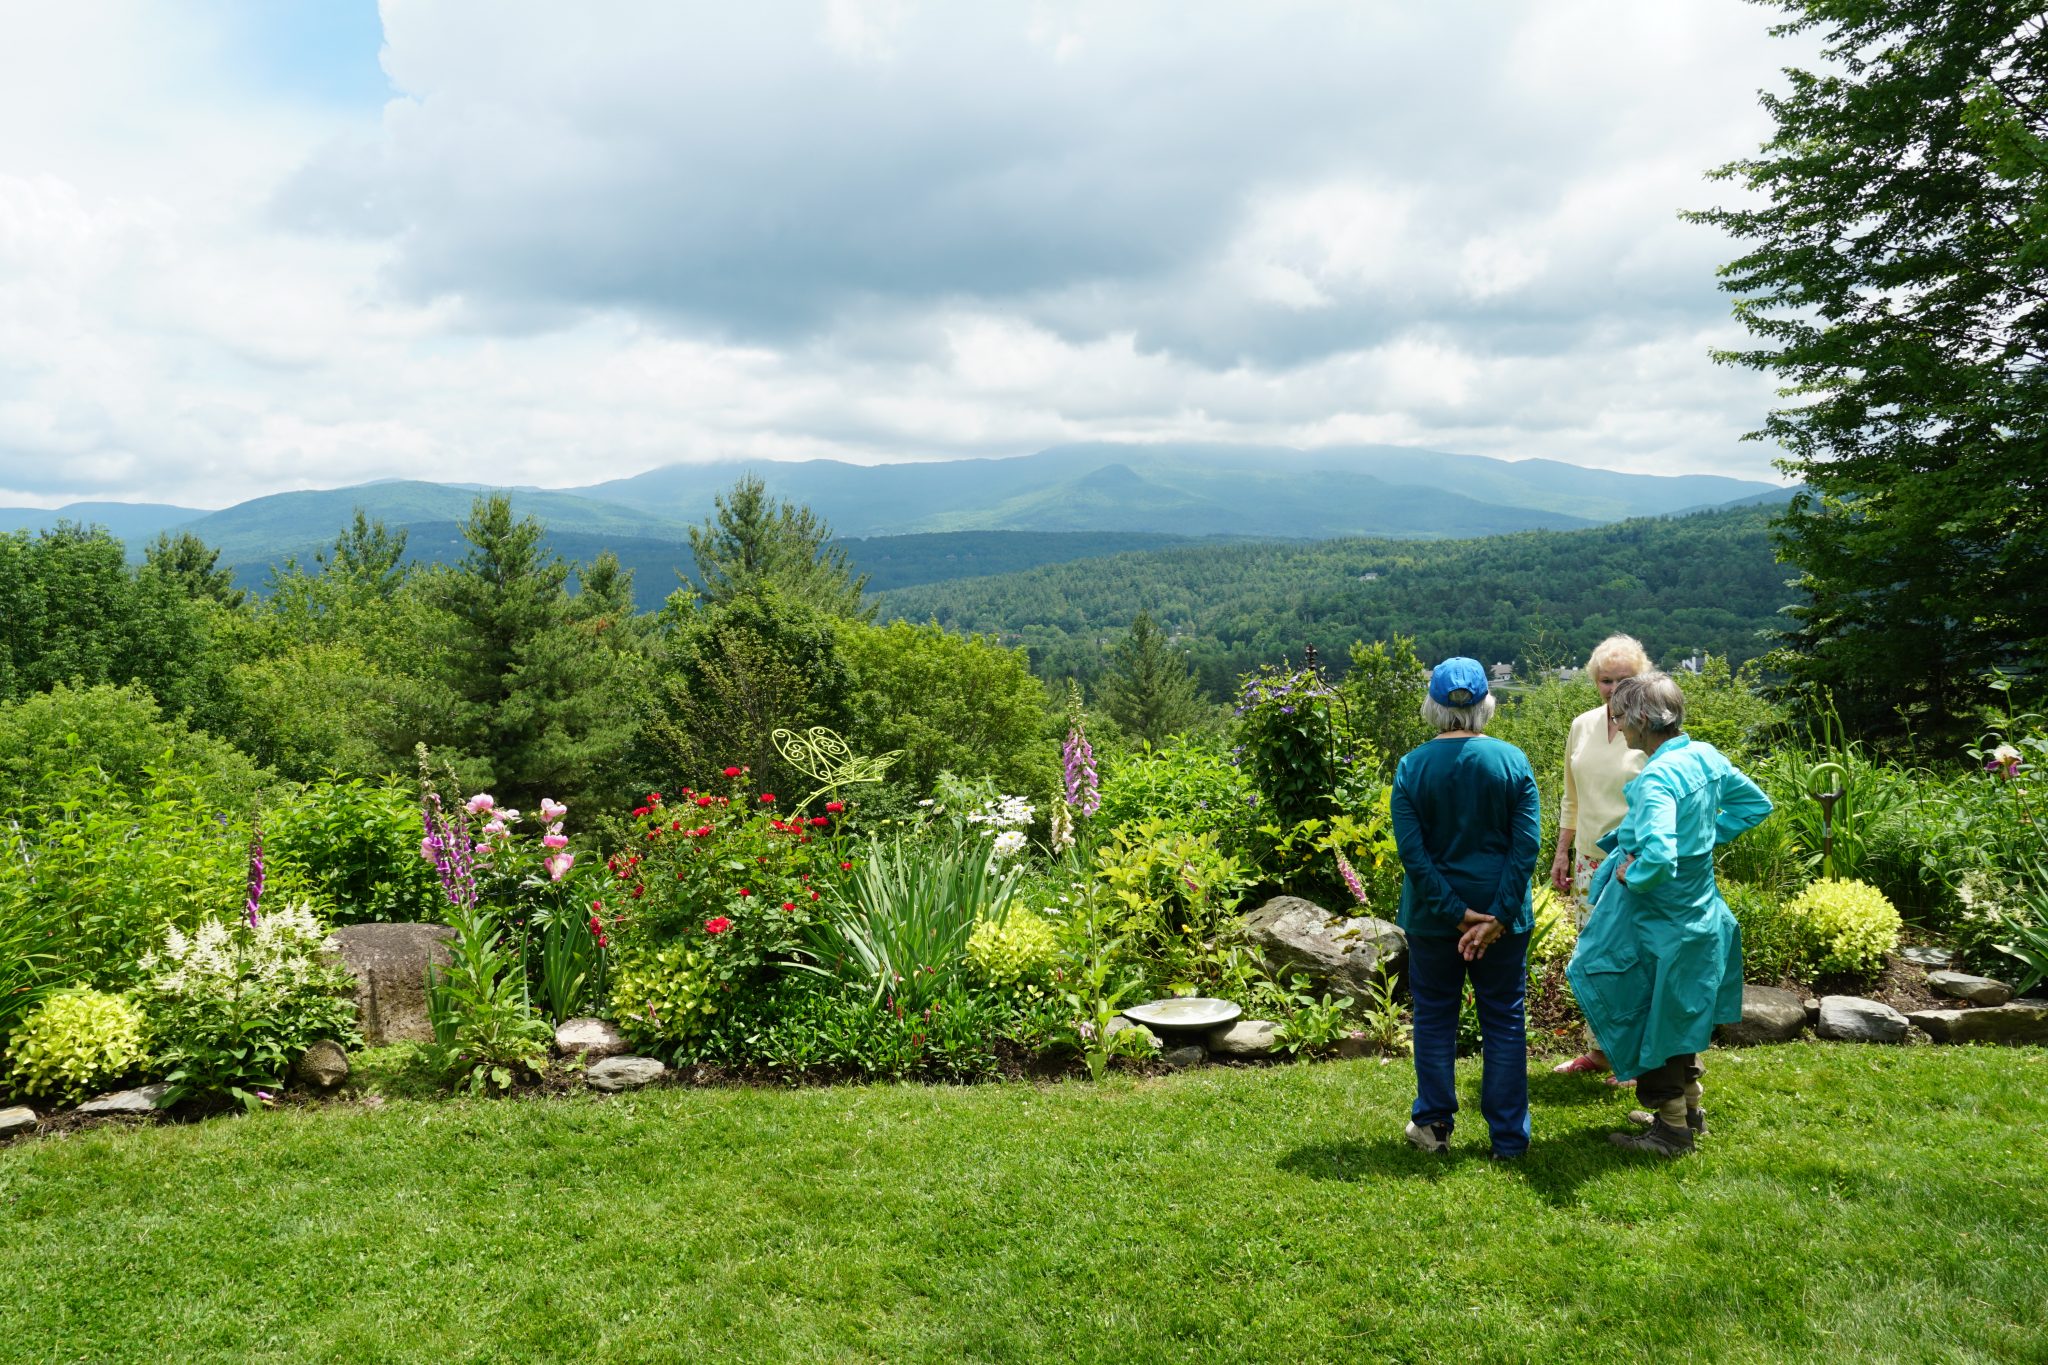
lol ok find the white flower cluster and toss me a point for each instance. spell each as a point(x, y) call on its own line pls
point(1009, 812)
point(1009, 842)
point(222, 955)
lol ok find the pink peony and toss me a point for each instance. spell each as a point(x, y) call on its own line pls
point(552, 810)
point(480, 803)
point(552, 840)
point(559, 864)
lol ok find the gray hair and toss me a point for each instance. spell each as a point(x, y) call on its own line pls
point(1649, 702)
point(1473, 717)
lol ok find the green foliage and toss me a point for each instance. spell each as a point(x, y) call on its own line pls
point(1317, 1025)
point(1020, 949)
point(233, 1006)
point(74, 1043)
point(1554, 936)
point(1892, 284)
point(1288, 736)
point(1147, 689)
point(1169, 892)
point(1382, 1022)
point(663, 996)
point(1708, 581)
point(486, 1036)
point(959, 703)
point(897, 929)
point(1382, 695)
point(1845, 926)
point(121, 731)
point(753, 542)
point(194, 566)
point(1193, 784)
point(354, 847)
point(1728, 710)
point(1774, 943)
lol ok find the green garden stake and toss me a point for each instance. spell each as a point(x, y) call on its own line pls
point(1827, 801)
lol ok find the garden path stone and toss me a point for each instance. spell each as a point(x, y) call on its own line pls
point(1246, 1038)
point(1187, 1056)
point(1922, 956)
point(1978, 990)
point(389, 963)
point(624, 1073)
point(591, 1039)
point(2020, 1022)
point(324, 1066)
point(125, 1103)
point(1769, 1015)
point(19, 1119)
point(1852, 1019)
point(1341, 955)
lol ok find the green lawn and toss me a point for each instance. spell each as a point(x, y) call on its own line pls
point(1853, 1204)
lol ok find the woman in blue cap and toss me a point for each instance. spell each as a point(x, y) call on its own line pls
point(1467, 821)
point(1659, 962)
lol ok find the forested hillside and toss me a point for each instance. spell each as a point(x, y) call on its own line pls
point(1702, 582)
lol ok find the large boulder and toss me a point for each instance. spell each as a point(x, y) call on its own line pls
point(1978, 990)
point(19, 1119)
point(1339, 954)
point(1852, 1019)
point(389, 963)
point(1769, 1015)
point(2021, 1021)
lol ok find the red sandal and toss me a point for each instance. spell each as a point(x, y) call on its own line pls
point(1578, 1065)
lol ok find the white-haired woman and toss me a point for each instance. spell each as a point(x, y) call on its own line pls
point(1468, 824)
point(1660, 960)
point(1597, 765)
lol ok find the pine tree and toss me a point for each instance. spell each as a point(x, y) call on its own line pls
point(752, 541)
point(1148, 690)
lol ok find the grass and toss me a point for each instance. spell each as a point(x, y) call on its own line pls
point(1853, 1203)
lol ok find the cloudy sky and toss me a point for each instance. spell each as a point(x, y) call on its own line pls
point(248, 247)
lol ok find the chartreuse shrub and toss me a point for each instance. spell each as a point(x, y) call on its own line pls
point(662, 997)
point(1555, 934)
point(235, 1004)
point(75, 1042)
point(1845, 926)
point(1018, 950)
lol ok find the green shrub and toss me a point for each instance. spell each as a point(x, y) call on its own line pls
point(1192, 784)
point(74, 1043)
point(663, 997)
point(235, 1005)
point(1845, 926)
point(1771, 942)
point(354, 847)
point(1555, 933)
point(1018, 950)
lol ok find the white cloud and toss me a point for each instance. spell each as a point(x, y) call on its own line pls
point(576, 244)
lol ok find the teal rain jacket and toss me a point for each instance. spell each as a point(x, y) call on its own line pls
point(1659, 962)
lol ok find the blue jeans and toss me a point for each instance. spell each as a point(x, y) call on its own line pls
point(1500, 981)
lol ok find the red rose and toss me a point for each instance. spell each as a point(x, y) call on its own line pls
point(732, 772)
point(835, 806)
point(703, 800)
point(745, 892)
point(654, 798)
point(846, 867)
point(638, 892)
point(767, 798)
point(675, 824)
point(597, 907)
point(789, 905)
point(814, 895)
point(718, 925)
point(639, 811)
point(819, 821)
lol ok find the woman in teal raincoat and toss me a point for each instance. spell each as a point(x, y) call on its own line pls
point(1659, 962)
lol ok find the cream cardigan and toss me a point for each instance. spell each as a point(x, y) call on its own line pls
point(1596, 768)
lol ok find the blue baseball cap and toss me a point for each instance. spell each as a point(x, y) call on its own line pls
point(1457, 682)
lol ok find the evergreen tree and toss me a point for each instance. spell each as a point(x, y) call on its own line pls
point(753, 541)
point(1148, 690)
point(1897, 284)
point(367, 555)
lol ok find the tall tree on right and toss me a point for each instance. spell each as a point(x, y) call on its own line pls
point(1896, 284)
point(1148, 690)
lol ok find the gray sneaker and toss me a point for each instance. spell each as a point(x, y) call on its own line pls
point(1659, 1139)
point(1436, 1137)
point(1695, 1119)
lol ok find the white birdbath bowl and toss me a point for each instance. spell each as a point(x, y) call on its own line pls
point(1183, 1012)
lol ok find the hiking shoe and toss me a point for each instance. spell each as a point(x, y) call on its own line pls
point(1659, 1139)
point(1436, 1137)
point(1695, 1119)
